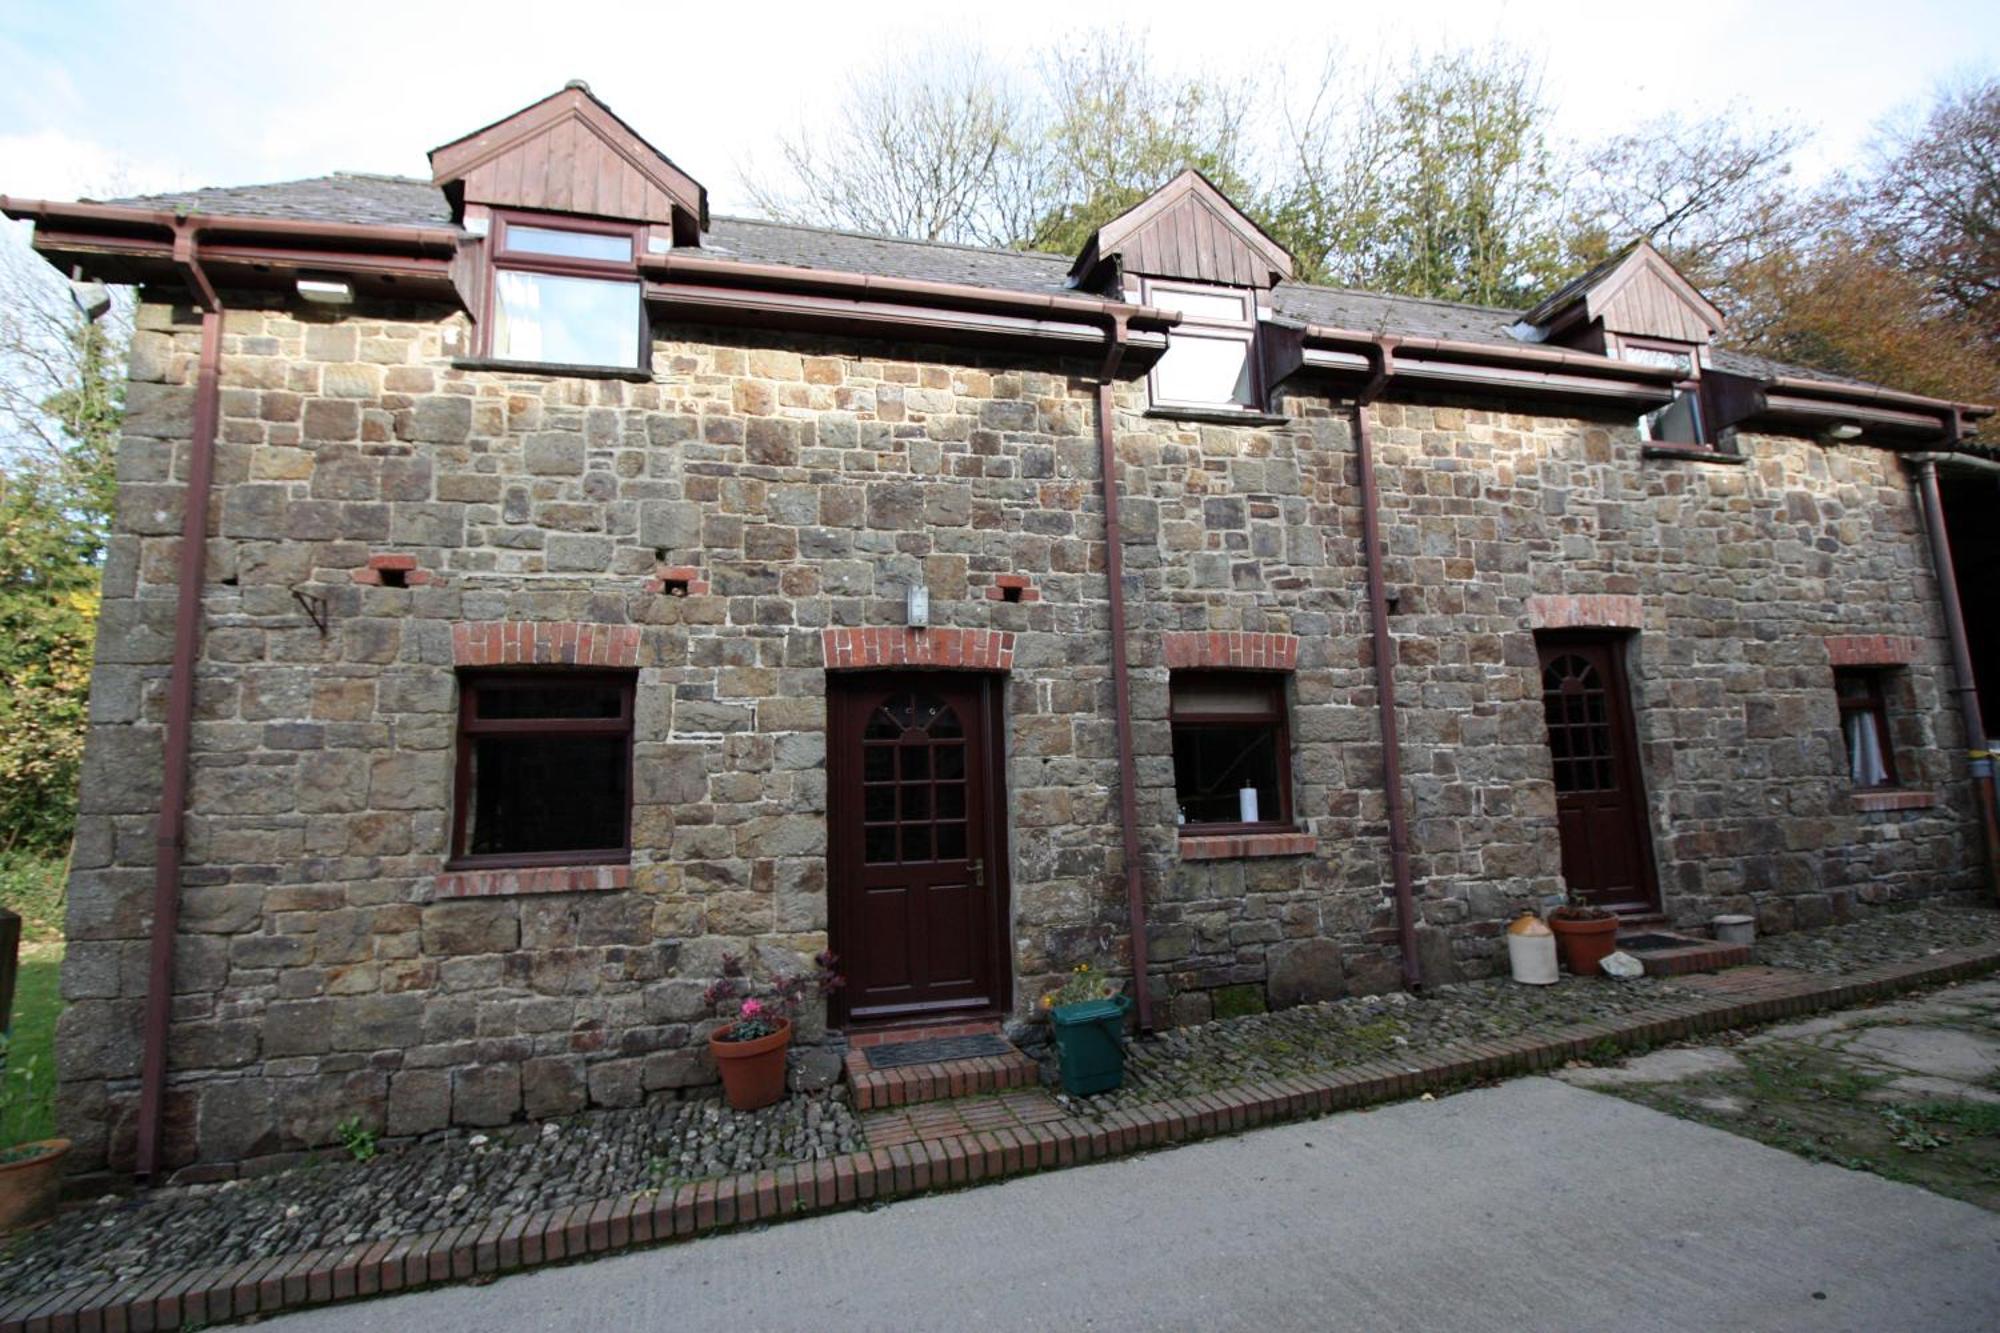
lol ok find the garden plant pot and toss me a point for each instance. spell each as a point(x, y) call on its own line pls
point(1585, 944)
point(753, 1072)
point(1090, 1039)
point(31, 1183)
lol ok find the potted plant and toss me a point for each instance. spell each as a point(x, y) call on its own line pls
point(750, 1052)
point(1585, 935)
point(30, 1172)
point(1087, 1014)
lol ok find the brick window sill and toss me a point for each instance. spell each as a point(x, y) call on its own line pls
point(1245, 846)
point(497, 882)
point(1894, 800)
point(554, 369)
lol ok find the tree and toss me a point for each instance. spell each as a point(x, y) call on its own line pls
point(61, 396)
point(1118, 129)
point(1712, 196)
point(1439, 184)
point(954, 146)
point(1934, 202)
point(936, 148)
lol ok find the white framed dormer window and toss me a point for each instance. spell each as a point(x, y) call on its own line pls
point(1679, 424)
point(565, 292)
point(1210, 364)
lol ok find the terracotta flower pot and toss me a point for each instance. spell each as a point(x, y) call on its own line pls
point(30, 1185)
point(1585, 944)
point(753, 1072)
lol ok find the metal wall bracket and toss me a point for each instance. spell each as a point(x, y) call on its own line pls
point(314, 607)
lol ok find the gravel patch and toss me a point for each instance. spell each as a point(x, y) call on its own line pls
point(1321, 1037)
point(442, 1181)
point(1316, 1038)
point(1883, 935)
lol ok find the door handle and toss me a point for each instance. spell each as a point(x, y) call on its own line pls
point(976, 868)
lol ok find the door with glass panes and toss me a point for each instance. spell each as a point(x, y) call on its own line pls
point(917, 884)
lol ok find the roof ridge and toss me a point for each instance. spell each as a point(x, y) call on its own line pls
point(896, 240)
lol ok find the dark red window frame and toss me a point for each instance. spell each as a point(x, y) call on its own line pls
point(1276, 718)
point(501, 256)
point(1874, 702)
point(1690, 388)
point(471, 727)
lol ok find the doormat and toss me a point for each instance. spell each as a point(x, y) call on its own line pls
point(935, 1050)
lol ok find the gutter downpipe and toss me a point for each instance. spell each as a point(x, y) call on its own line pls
point(170, 839)
point(1121, 687)
point(1979, 761)
point(1382, 650)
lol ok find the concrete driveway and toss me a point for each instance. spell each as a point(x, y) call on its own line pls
point(1529, 1205)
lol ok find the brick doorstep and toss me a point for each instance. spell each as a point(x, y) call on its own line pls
point(202, 1295)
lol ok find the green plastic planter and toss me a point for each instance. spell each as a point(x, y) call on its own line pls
point(1090, 1038)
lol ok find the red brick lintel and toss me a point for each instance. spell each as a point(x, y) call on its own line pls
point(480, 643)
point(1586, 611)
point(505, 1243)
point(1239, 649)
point(1855, 650)
point(894, 645)
point(1243, 846)
point(498, 883)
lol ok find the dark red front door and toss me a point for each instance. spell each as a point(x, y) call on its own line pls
point(1607, 855)
point(917, 890)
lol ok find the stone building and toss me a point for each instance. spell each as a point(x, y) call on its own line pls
point(590, 588)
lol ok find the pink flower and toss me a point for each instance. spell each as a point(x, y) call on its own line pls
point(751, 1008)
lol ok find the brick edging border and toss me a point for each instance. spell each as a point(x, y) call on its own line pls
point(508, 1244)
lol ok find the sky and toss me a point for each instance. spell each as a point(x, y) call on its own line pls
point(99, 97)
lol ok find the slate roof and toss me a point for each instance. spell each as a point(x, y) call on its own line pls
point(409, 202)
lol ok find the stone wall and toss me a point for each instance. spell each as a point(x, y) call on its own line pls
point(327, 967)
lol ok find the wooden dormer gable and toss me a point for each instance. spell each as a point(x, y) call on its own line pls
point(1187, 231)
point(569, 154)
point(1634, 294)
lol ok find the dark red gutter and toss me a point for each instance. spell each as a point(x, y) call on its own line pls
point(170, 838)
point(411, 240)
point(1964, 685)
point(1121, 684)
point(1382, 650)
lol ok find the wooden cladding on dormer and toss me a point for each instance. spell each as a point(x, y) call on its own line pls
point(569, 154)
point(1634, 294)
point(1187, 231)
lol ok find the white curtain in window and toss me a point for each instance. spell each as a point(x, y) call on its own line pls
point(1864, 750)
point(517, 335)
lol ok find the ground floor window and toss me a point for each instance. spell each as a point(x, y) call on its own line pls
point(1864, 726)
point(1232, 763)
point(544, 768)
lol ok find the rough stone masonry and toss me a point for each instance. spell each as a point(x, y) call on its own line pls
point(329, 967)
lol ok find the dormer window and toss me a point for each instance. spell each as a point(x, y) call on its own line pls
point(566, 292)
point(1679, 423)
point(1210, 364)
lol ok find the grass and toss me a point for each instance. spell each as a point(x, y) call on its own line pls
point(27, 1107)
point(33, 887)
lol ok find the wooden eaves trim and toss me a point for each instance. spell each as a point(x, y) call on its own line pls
point(125, 244)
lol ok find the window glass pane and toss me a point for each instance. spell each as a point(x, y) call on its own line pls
point(951, 842)
point(1212, 765)
point(570, 244)
point(1679, 422)
point(1661, 357)
point(1228, 696)
point(565, 321)
point(1200, 305)
point(547, 794)
point(1209, 371)
point(554, 699)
